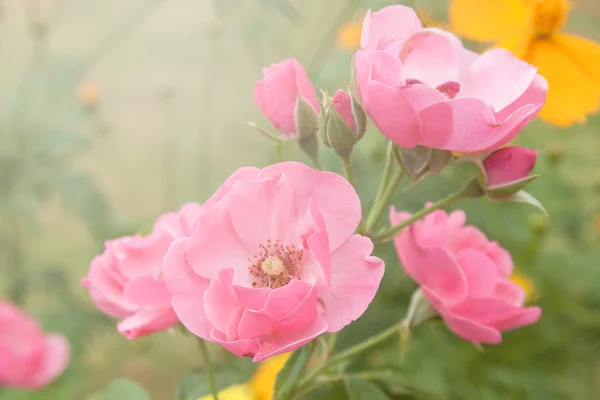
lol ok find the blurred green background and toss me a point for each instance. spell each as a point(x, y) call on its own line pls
point(113, 112)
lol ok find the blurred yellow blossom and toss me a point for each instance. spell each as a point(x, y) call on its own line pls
point(260, 387)
point(527, 284)
point(348, 36)
point(531, 29)
point(429, 21)
point(88, 93)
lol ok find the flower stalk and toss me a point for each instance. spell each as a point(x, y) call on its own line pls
point(208, 368)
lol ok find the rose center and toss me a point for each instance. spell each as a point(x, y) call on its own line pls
point(548, 16)
point(272, 266)
point(275, 265)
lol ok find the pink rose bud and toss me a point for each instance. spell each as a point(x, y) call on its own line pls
point(422, 87)
point(29, 359)
point(509, 165)
point(273, 261)
point(343, 122)
point(287, 98)
point(464, 276)
point(126, 281)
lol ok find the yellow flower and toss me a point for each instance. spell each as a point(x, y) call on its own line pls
point(260, 387)
point(348, 36)
point(531, 29)
point(527, 284)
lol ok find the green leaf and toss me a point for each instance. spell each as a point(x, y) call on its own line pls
point(121, 389)
point(524, 197)
point(414, 162)
point(359, 389)
point(287, 378)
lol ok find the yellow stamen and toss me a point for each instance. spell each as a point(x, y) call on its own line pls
point(272, 266)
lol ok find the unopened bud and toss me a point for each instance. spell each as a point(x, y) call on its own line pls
point(306, 118)
point(507, 171)
point(343, 122)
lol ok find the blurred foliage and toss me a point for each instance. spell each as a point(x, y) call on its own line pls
point(45, 133)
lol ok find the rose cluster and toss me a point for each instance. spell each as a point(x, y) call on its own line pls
point(273, 259)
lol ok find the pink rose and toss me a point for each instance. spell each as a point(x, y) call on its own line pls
point(277, 94)
point(29, 359)
point(126, 280)
point(463, 275)
point(427, 89)
point(273, 261)
point(509, 165)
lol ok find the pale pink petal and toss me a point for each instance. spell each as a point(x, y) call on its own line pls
point(276, 95)
point(467, 58)
point(302, 314)
point(242, 347)
point(241, 174)
point(481, 273)
point(389, 28)
point(525, 316)
point(261, 210)
point(510, 292)
point(535, 94)
point(254, 324)
point(498, 79)
point(283, 300)
point(509, 164)
point(283, 342)
point(343, 106)
point(468, 125)
point(219, 300)
point(215, 245)
point(187, 290)
point(336, 198)
point(148, 291)
point(106, 293)
point(432, 56)
point(147, 321)
point(317, 243)
point(393, 114)
point(251, 298)
point(465, 328)
point(432, 231)
point(306, 89)
point(55, 361)
point(355, 278)
point(422, 96)
point(496, 313)
point(456, 220)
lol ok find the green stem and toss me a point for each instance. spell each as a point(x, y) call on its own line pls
point(387, 171)
point(208, 368)
point(394, 230)
point(382, 203)
point(349, 174)
point(352, 351)
point(278, 151)
point(349, 170)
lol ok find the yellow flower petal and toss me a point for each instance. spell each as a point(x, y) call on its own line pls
point(263, 381)
point(572, 94)
point(527, 284)
point(234, 392)
point(583, 52)
point(348, 36)
point(489, 20)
